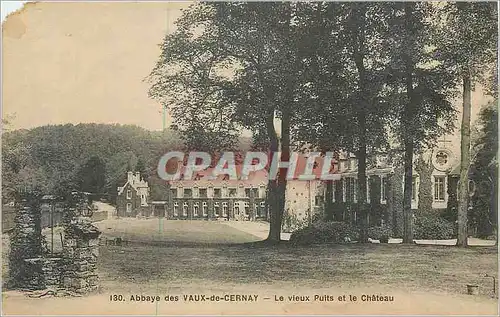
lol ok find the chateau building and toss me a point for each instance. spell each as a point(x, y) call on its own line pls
point(220, 198)
point(435, 177)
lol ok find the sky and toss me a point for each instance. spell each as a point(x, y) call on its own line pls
point(10, 6)
point(81, 62)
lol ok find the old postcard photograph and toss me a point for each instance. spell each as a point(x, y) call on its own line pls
point(249, 158)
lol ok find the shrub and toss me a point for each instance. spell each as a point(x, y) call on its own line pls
point(433, 228)
point(292, 222)
point(325, 232)
point(379, 232)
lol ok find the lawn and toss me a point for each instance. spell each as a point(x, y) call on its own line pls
point(183, 252)
point(201, 257)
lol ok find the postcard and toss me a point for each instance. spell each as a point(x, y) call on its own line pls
point(249, 158)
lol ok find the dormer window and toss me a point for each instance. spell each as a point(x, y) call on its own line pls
point(203, 193)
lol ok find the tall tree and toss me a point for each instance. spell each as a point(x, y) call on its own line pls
point(92, 176)
point(484, 172)
point(244, 64)
point(421, 88)
point(469, 42)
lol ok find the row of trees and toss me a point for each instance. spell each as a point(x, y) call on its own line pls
point(361, 77)
point(94, 158)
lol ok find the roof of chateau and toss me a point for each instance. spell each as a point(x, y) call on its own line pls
point(256, 178)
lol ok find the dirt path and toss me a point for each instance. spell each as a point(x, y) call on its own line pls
point(403, 303)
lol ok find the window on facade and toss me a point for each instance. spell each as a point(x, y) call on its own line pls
point(196, 206)
point(368, 189)
point(247, 208)
point(232, 192)
point(129, 207)
point(236, 207)
point(188, 193)
point(204, 208)
point(318, 200)
point(255, 192)
point(354, 189)
point(256, 209)
point(262, 209)
point(247, 192)
point(338, 191)
point(350, 187)
point(224, 209)
point(203, 193)
point(176, 209)
point(173, 192)
point(129, 194)
point(185, 209)
point(216, 209)
point(383, 189)
point(217, 193)
point(439, 188)
point(414, 189)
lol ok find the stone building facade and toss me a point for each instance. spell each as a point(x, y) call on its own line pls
point(133, 197)
point(219, 198)
point(435, 180)
point(434, 188)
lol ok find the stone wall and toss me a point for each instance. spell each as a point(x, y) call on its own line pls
point(25, 243)
point(42, 273)
point(30, 266)
point(80, 252)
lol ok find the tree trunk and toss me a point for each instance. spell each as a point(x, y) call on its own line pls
point(272, 185)
point(408, 177)
point(424, 169)
point(463, 192)
point(358, 54)
point(275, 229)
point(408, 130)
point(363, 210)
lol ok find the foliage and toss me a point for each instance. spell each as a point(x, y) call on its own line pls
point(325, 232)
point(433, 227)
point(484, 171)
point(292, 223)
point(379, 232)
point(91, 176)
point(89, 157)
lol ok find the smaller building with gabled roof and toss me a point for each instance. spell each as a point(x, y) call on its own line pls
point(133, 196)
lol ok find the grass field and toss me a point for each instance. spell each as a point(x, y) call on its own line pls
point(177, 257)
point(212, 252)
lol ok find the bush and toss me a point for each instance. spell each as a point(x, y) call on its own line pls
point(379, 232)
point(433, 228)
point(292, 222)
point(325, 232)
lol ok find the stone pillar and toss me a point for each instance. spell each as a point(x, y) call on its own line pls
point(80, 253)
point(80, 249)
point(26, 243)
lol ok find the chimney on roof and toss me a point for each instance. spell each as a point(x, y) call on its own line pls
point(137, 177)
point(130, 177)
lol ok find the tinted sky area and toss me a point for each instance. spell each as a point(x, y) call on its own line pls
point(59, 68)
point(10, 6)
